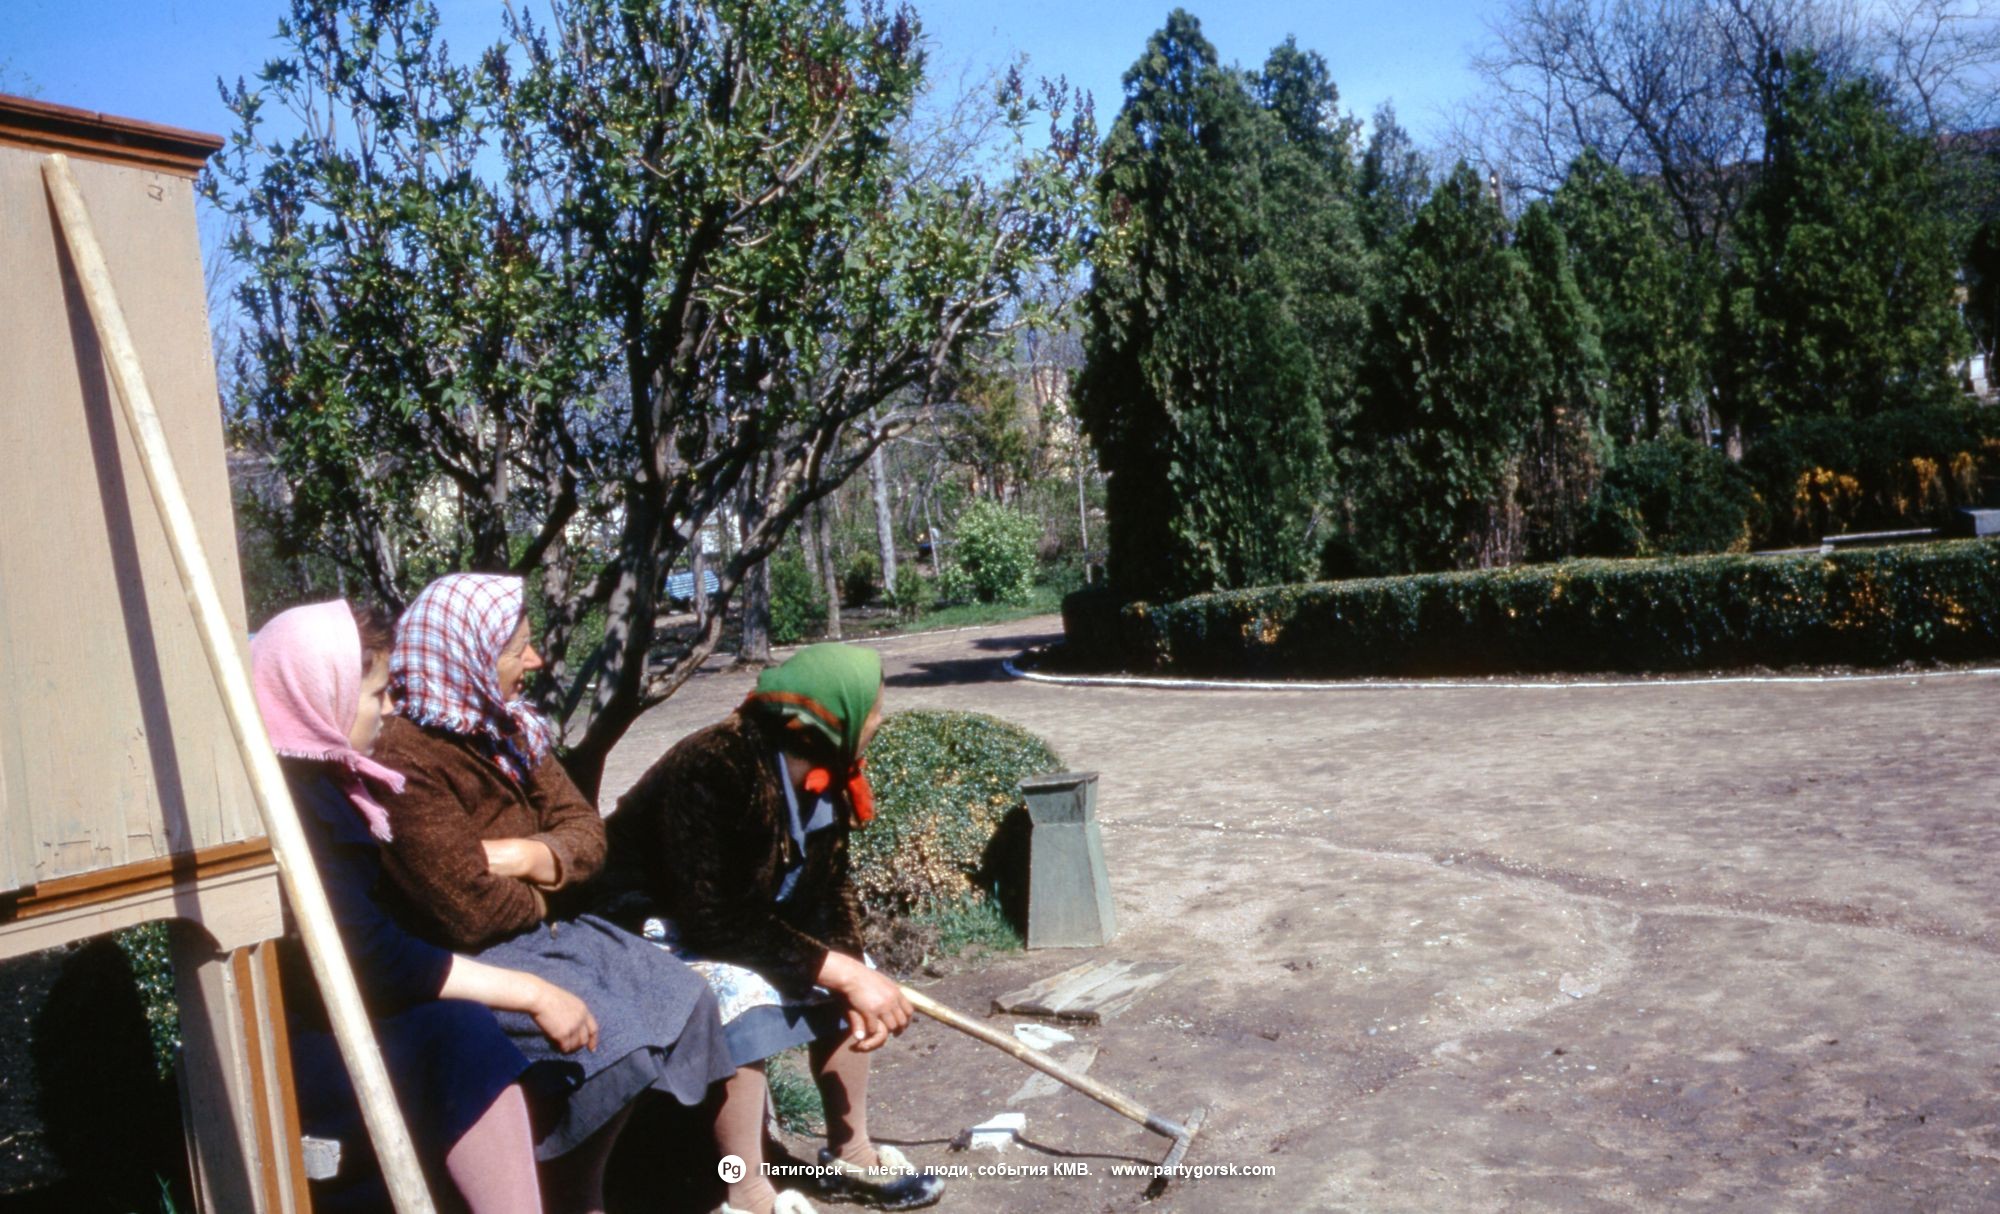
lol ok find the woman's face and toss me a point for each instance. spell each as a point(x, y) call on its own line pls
point(376, 705)
point(517, 659)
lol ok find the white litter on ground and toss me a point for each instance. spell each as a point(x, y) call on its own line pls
point(1040, 1036)
point(998, 1131)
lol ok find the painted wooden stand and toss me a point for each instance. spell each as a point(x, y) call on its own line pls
point(135, 783)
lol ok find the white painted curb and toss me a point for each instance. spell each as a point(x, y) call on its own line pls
point(1080, 680)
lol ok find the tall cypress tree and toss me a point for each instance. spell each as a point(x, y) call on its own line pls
point(1198, 385)
point(1320, 253)
point(1454, 386)
point(1842, 297)
point(1394, 180)
point(1652, 300)
point(1559, 465)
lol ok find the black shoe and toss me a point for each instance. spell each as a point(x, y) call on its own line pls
point(891, 1185)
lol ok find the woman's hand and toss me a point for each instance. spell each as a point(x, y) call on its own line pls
point(564, 1019)
point(527, 860)
point(876, 1006)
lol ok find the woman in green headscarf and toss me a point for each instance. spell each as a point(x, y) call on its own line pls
point(732, 851)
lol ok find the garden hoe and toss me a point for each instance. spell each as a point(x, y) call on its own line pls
point(1181, 1133)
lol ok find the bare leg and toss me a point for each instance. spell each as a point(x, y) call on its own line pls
point(739, 1131)
point(493, 1164)
point(841, 1071)
point(574, 1183)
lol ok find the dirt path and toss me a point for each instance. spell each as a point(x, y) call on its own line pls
point(1637, 948)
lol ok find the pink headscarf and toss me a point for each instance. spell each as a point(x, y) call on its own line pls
point(446, 667)
point(306, 668)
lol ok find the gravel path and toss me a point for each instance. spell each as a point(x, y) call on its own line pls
point(1651, 947)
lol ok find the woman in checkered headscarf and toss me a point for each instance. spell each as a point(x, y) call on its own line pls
point(462, 659)
point(491, 841)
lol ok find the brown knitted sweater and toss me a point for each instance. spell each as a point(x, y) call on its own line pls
point(456, 797)
point(703, 833)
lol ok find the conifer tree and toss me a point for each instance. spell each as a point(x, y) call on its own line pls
point(1650, 295)
point(1394, 179)
point(1842, 296)
point(1559, 466)
point(1454, 387)
point(1198, 385)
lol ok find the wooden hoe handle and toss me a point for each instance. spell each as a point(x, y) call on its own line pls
point(1042, 1062)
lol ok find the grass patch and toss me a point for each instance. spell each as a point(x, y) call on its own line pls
point(1046, 600)
point(794, 1095)
point(970, 925)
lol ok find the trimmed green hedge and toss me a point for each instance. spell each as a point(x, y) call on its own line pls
point(944, 782)
point(1876, 607)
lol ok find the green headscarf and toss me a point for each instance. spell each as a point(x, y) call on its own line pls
point(829, 688)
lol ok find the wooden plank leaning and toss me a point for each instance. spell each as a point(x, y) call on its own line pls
point(288, 843)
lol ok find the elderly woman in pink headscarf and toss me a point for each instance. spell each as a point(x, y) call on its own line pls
point(493, 841)
point(321, 677)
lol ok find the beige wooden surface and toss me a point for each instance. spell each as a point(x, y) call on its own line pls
point(96, 640)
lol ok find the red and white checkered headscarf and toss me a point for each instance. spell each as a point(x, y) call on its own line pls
point(446, 666)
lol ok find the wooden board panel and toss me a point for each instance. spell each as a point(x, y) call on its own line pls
point(1091, 993)
point(113, 744)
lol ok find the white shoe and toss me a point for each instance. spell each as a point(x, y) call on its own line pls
point(892, 1184)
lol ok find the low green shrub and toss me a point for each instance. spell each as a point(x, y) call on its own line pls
point(1669, 497)
point(947, 788)
point(1871, 607)
point(913, 594)
point(798, 604)
point(860, 580)
point(996, 548)
point(954, 585)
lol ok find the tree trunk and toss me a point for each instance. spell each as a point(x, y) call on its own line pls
point(809, 539)
point(1082, 520)
point(699, 564)
point(937, 542)
point(756, 645)
point(830, 565)
point(885, 530)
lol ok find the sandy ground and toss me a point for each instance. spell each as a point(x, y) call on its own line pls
point(1652, 947)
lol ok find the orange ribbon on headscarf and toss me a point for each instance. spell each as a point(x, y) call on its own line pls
point(860, 796)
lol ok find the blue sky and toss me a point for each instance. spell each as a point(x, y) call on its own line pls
point(158, 59)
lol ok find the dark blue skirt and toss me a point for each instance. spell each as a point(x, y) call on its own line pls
point(448, 1061)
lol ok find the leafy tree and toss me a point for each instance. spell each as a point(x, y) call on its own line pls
point(995, 547)
point(1197, 389)
point(1455, 387)
point(1841, 299)
point(650, 262)
point(1652, 298)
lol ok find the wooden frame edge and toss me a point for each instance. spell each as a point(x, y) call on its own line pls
point(113, 884)
point(45, 127)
